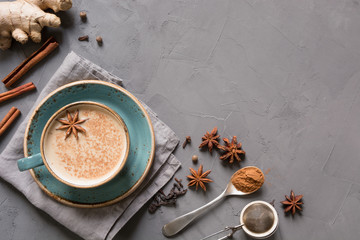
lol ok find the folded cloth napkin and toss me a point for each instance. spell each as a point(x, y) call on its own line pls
point(98, 223)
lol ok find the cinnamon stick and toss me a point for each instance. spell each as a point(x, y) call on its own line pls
point(50, 45)
point(9, 119)
point(16, 91)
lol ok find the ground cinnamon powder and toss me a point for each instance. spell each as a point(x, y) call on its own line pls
point(248, 179)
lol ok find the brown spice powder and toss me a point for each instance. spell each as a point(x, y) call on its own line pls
point(248, 179)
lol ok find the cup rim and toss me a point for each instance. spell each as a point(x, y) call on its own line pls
point(52, 118)
point(264, 234)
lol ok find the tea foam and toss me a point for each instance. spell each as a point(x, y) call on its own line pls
point(92, 158)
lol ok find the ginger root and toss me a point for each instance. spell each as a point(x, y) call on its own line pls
point(22, 19)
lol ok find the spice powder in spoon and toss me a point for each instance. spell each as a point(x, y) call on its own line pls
point(248, 179)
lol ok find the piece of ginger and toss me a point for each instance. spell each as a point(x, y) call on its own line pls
point(22, 19)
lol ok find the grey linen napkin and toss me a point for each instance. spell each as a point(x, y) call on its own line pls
point(98, 223)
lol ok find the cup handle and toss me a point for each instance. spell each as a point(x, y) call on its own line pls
point(30, 162)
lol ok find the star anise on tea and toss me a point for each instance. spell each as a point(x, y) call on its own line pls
point(210, 140)
point(198, 178)
point(292, 203)
point(72, 124)
point(232, 149)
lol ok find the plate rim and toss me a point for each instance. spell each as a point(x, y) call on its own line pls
point(138, 182)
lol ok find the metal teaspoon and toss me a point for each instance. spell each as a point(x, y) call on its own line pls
point(181, 222)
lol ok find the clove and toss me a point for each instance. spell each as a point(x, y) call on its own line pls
point(84, 38)
point(161, 199)
point(187, 140)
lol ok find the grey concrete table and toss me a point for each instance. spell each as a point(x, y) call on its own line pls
point(283, 76)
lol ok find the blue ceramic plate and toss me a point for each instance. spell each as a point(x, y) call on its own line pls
point(142, 143)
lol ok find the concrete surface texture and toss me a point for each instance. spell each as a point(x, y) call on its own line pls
point(282, 75)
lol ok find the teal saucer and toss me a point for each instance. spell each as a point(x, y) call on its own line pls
point(142, 143)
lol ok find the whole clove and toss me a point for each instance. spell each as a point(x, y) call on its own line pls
point(84, 38)
point(177, 186)
point(179, 182)
point(161, 199)
point(187, 140)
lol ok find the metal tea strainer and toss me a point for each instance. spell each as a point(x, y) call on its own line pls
point(258, 219)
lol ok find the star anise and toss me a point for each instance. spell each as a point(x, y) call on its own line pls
point(199, 178)
point(232, 149)
point(292, 203)
point(72, 124)
point(210, 140)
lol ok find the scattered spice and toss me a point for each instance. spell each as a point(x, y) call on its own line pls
point(187, 140)
point(83, 15)
point(210, 140)
point(199, 178)
point(179, 182)
point(194, 158)
point(161, 198)
point(84, 38)
point(99, 40)
point(232, 149)
point(72, 124)
point(9, 118)
point(292, 203)
point(17, 91)
point(248, 179)
point(48, 47)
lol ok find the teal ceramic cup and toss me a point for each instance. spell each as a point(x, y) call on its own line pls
point(84, 145)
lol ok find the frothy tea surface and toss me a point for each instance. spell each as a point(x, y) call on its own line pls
point(95, 155)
